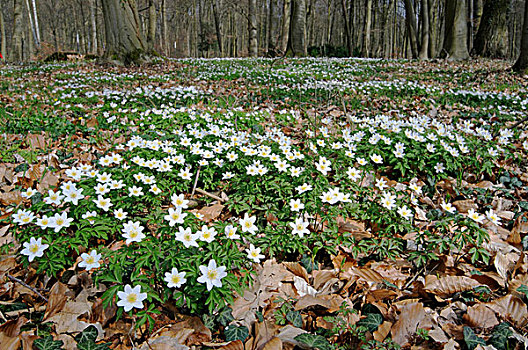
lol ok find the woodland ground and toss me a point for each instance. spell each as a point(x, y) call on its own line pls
point(260, 204)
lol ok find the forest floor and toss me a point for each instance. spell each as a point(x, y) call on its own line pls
point(264, 204)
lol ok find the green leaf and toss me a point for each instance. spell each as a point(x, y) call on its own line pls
point(48, 344)
point(225, 316)
point(88, 334)
point(313, 341)
point(471, 339)
point(523, 289)
point(236, 333)
point(500, 335)
point(295, 318)
point(371, 322)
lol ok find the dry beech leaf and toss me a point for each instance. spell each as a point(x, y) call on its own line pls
point(210, 213)
point(366, 274)
point(480, 316)
point(504, 263)
point(297, 269)
point(288, 333)
point(302, 287)
point(405, 327)
point(36, 141)
point(57, 300)
point(330, 302)
point(320, 277)
point(163, 343)
point(234, 345)
point(274, 344)
point(264, 331)
point(465, 205)
point(8, 198)
point(383, 331)
point(511, 308)
point(10, 333)
point(446, 286)
point(199, 334)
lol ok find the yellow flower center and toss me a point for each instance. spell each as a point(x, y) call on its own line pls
point(176, 279)
point(33, 248)
point(211, 274)
point(131, 298)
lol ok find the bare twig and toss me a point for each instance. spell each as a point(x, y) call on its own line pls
point(195, 182)
point(220, 199)
point(14, 279)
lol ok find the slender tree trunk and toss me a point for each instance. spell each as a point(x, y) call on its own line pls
point(424, 49)
point(164, 39)
point(521, 65)
point(125, 42)
point(93, 19)
point(455, 41)
point(252, 28)
point(433, 27)
point(298, 28)
point(347, 27)
point(286, 25)
point(368, 24)
point(2, 36)
point(410, 20)
point(218, 29)
point(35, 17)
point(479, 7)
point(151, 32)
point(271, 28)
point(32, 25)
point(16, 41)
point(492, 35)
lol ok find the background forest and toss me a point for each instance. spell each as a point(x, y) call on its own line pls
point(237, 28)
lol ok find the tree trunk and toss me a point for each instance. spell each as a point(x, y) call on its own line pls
point(410, 21)
point(252, 28)
point(125, 42)
point(424, 49)
point(2, 36)
point(164, 40)
point(522, 62)
point(16, 41)
point(368, 24)
point(151, 32)
point(271, 27)
point(286, 25)
point(298, 28)
point(433, 27)
point(35, 17)
point(492, 36)
point(32, 26)
point(455, 39)
point(218, 29)
point(93, 19)
point(347, 27)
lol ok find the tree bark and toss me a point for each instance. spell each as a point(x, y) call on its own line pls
point(410, 21)
point(521, 65)
point(285, 25)
point(424, 49)
point(492, 36)
point(218, 29)
point(271, 28)
point(298, 28)
point(252, 28)
point(35, 17)
point(433, 27)
point(347, 28)
point(151, 32)
point(16, 41)
point(93, 20)
point(368, 24)
point(125, 42)
point(3, 45)
point(32, 25)
point(455, 40)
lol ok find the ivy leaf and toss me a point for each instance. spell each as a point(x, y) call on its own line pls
point(295, 318)
point(371, 322)
point(236, 333)
point(90, 345)
point(88, 334)
point(500, 335)
point(313, 341)
point(225, 316)
point(471, 339)
point(48, 344)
